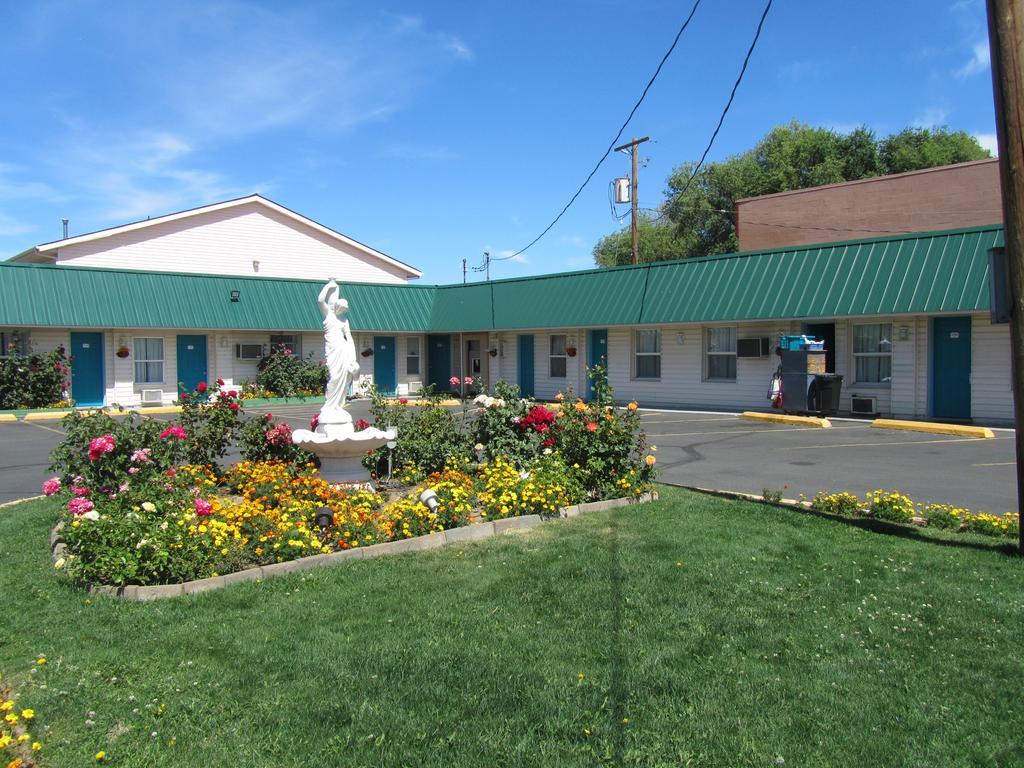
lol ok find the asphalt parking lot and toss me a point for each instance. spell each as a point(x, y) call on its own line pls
point(713, 450)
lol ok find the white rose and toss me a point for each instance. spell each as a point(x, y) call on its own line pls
point(92, 514)
point(149, 506)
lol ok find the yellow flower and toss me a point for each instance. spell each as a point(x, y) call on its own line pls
point(28, 714)
point(101, 756)
point(633, 406)
point(650, 460)
point(36, 746)
point(580, 406)
point(5, 740)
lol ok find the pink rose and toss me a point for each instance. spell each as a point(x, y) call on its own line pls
point(80, 506)
point(52, 486)
point(174, 431)
point(79, 490)
point(454, 381)
point(202, 507)
point(133, 470)
point(99, 446)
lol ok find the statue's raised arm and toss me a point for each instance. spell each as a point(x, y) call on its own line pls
point(324, 299)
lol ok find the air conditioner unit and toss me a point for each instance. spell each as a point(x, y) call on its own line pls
point(755, 347)
point(863, 406)
point(152, 397)
point(249, 351)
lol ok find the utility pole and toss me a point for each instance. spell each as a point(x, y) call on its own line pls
point(487, 264)
point(1006, 43)
point(463, 271)
point(634, 234)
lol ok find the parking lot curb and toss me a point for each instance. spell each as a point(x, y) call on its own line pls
point(785, 418)
point(46, 415)
point(960, 430)
point(8, 417)
point(150, 409)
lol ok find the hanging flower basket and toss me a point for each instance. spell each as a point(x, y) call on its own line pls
point(570, 351)
point(367, 352)
point(493, 353)
point(123, 351)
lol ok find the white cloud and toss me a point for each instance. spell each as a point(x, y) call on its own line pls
point(932, 117)
point(979, 61)
point(988, 141)
point(460, 49)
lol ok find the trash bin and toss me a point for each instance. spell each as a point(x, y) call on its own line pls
point(823, 394)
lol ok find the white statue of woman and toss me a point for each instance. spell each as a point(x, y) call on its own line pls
point(339, 353)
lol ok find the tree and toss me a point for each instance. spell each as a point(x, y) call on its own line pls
point(657, 242)
point(914, 148)
point(697, 218)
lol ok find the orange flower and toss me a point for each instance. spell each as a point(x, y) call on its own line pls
point(580, 406)
point(650, 460)
point(592, 426)
point(632, 406)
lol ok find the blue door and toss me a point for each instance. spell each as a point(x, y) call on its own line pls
point(384, 364)
point(191, 362)
point(951, 367)
point(525, 353)
point(87, 368)
point(439, 361)
point(597, 353)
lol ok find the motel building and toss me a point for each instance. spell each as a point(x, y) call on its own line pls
point(204, 294)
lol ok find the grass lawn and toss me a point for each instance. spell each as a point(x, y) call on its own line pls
point(694, 631)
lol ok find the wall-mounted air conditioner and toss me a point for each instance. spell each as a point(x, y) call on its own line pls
point(756, 347)
point(863, 406)
point(152, 397)
point(249, 351)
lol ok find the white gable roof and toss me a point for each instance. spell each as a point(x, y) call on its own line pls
point(51, 247)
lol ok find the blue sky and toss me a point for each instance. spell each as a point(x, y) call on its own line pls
point(437, 131)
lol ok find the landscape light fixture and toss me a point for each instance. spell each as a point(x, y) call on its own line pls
point(324, 518)
point(429, 498)
point(236, 295)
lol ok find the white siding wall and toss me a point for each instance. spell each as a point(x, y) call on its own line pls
point(227, 241)
point(43, 340)
point(991, 397)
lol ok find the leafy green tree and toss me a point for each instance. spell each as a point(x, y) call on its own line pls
point(656, 241)
point(697, 218)
point(914, 148)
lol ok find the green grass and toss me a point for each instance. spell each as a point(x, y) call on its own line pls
point(694, 631)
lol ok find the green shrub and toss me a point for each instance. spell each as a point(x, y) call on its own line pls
point(210, 417)
point(944, 515)
point(264, 439)
point(497, 428)
point(428, 436)
point(845, 504)
point(33, 381)
point(286, 375)
point(890, 505)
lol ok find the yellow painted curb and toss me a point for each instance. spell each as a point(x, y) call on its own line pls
point(785, 418)
point(46, 415)
point(156, 409)
point(961, 430)
point(8, 417)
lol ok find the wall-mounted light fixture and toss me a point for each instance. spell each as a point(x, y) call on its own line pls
point(236, 295)
point(680, 338)
point(904, 332)
point(255, 265)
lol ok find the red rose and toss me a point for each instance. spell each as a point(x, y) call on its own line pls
point(234, 407)
point(232, 393)
point(201, 387)
point(268, 416)
point(220, 382)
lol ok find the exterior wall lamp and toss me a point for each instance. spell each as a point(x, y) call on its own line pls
point(236, 295)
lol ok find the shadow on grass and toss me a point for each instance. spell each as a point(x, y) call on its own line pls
point(617, 689)
point(874, 525)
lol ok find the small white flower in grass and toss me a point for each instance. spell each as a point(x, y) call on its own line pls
point(149, 506)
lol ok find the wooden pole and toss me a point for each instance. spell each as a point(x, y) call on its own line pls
point(634, 201)
point(1006, 42)
point(634, 234)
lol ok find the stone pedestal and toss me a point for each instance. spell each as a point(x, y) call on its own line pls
point(341, 448)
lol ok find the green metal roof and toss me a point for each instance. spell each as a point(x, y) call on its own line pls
point(934, 272)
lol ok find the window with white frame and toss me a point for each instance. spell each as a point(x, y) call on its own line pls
point(720, 351)
point(288, 343)
point(872, 353)
point(13, 342)
point(412, 356)
point(647, 354)
point(557, 357)
point(149, 360)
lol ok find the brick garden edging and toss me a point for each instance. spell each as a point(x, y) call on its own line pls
point(474, 532)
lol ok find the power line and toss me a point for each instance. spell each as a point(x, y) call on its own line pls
point(728, 104)
point(614, 141)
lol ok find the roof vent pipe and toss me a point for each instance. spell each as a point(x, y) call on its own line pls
point(65, 222)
